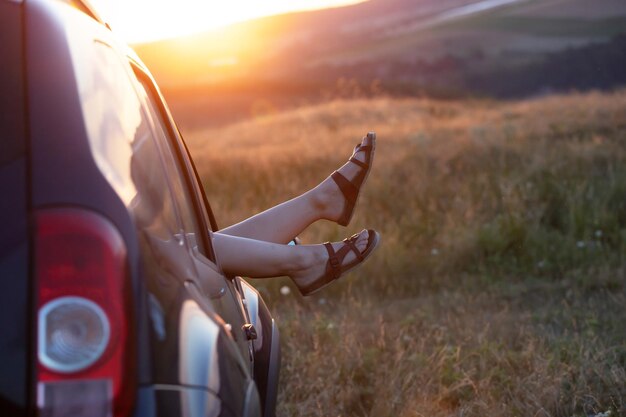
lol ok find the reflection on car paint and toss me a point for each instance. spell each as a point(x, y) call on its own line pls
point(198, 360)
point(156, 317)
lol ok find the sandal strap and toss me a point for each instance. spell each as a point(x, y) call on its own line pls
point(349, 245)
point(359, 163)
point(362, 148)
point(334, 264)
point(348, 189)
point(335, 258)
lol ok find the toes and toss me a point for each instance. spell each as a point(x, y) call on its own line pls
point(362, 240)
point(369, 139)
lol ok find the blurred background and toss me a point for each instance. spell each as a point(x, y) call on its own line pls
point(499, 189)
point(447, 49)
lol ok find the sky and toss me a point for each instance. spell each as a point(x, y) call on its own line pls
point(148, 20)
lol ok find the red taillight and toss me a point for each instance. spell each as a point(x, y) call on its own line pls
point(84, 345)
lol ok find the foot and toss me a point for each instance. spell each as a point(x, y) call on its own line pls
point(317, 273)
point(328, 197)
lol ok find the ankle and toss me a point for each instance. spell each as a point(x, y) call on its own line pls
point(302, 260)
point(322, 200)
point(306, 258)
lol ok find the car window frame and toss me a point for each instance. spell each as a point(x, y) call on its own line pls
point(182, 158)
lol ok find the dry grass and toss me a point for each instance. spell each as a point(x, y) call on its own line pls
point(499, 288)
point(454, 353)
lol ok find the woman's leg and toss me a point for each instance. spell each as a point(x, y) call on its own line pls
point(282, 223)
point(258, 259)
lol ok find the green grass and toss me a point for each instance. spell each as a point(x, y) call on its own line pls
point(499, 286)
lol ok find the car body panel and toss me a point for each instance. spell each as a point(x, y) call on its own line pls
point(14, 250)
point(14, 291)
point(267, 354)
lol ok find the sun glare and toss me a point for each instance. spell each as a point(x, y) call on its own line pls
point(147, 20)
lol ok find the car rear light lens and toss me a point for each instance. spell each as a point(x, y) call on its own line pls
point(73, 334)
point(85, 345)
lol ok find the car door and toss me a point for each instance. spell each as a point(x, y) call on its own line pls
point(203, 347)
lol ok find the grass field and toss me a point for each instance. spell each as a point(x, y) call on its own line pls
point(499, 289)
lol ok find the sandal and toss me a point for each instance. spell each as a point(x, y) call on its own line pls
point(351, 189)
point(334, 268)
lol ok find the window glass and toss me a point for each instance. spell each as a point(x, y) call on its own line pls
point(121, 140)
point(175, 170)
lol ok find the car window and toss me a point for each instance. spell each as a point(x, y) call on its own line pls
point(121, 140)
point(185, 198)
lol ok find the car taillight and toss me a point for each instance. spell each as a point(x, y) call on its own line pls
point(84, 319)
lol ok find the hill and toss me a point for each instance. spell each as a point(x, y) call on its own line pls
point(440, 46)
point(451, 48)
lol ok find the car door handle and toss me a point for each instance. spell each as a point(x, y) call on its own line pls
point(249, 331)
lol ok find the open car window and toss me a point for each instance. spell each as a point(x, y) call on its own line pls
point(181, 175)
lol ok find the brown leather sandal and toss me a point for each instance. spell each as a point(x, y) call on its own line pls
point(334, 267)
point(351, 189)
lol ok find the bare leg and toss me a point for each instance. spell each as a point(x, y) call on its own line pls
point(285, 221)
point(259, 259)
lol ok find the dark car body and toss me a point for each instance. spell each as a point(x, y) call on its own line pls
point(104, 222)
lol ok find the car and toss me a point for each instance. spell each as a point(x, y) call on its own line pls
point(112, 300)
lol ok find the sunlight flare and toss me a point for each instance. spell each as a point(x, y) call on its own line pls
point(149, 20)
